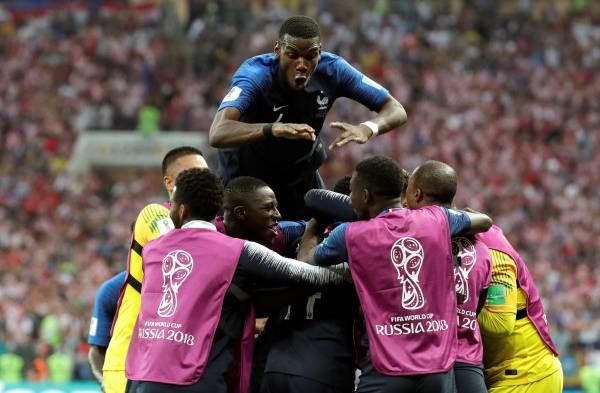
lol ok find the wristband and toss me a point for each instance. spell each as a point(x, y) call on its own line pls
point(268, 130)
point(373, 126)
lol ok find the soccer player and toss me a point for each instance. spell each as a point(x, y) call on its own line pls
point(401, 263)
point(268, 125)
point(151, 222)
point(251, 212)
point(435, 183)
point(105, 308)
point(519, 355)
point(312, 340)
point(177, 346)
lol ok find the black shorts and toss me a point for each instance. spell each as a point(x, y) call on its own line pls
point(286, 383)
point(469, 378)
point(372, 381)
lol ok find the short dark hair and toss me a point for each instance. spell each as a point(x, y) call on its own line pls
point(382, 176)
point(300, 26)
point(404, 175)
point(173, 154)
point(201, 191)
point(437, 180)
point(343, 185)
point(238, 189)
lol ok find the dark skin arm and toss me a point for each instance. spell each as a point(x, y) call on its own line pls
point(390, 116)
point(228, 131)
point(96, 356)
point(480, 222)
point(309, 242)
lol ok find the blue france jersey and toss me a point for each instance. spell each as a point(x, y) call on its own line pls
point(256, 93)
point(105, 308)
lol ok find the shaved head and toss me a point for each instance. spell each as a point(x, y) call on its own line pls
point(437, 181)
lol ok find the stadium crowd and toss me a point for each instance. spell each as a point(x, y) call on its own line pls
point(507, 94)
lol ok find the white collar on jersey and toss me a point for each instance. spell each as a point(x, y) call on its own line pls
point(200, 224)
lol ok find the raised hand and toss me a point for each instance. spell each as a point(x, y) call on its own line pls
point(350, 133)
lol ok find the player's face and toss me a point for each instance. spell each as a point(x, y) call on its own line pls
point(298, 58)
point(179, 165)
point(358, 198)
point(262, 216)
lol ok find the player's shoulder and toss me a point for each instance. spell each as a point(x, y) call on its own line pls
point(155, 218)
point(258, 69)
point(111, 286)
point(330, 63)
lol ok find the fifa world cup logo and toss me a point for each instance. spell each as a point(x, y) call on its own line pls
point(407, 257)
point(464, 251)
point(176, 267)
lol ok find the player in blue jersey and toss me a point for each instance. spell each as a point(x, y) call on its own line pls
point(268, 125)
point(311, 348)
point(105, 308)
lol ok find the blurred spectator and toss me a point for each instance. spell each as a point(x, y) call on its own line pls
point(11, 367)
point(507, 92)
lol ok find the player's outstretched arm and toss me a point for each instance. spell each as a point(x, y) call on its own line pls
point(390, 116)
point(266, 264)
point(479, 222)
point(227, 131)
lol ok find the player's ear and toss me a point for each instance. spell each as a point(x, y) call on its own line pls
point(277, 50)
point(366, 195)
point(419, 195)
point(183, 212)
point(239, 212)
point(169, 184)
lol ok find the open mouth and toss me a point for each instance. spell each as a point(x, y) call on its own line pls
point(273, 228)
point(300, 81)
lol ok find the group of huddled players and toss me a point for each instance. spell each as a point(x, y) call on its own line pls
point(384, 276)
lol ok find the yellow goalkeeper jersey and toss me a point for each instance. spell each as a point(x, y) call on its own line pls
point(514, 353)
point(152, 222)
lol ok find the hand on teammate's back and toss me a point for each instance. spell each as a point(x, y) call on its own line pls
point(359, 134)
point(293, 131)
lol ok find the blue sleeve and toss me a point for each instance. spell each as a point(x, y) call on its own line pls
point(104, 311)
point(247, 84)
point(358, 87)
point(458, 221)
point(333, 249)
point(292, 231)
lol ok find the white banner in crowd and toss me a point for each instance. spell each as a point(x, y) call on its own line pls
point(128, 148)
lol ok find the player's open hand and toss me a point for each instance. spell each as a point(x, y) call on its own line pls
point(293, 131)
point(350, 133)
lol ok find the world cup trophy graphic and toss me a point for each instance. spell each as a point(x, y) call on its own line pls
point(407, 257)
point(176, 267)
point(464, 251)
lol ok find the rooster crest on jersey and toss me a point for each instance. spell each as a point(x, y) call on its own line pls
point(176, 267)
point(465, 252)
point(407, 257)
